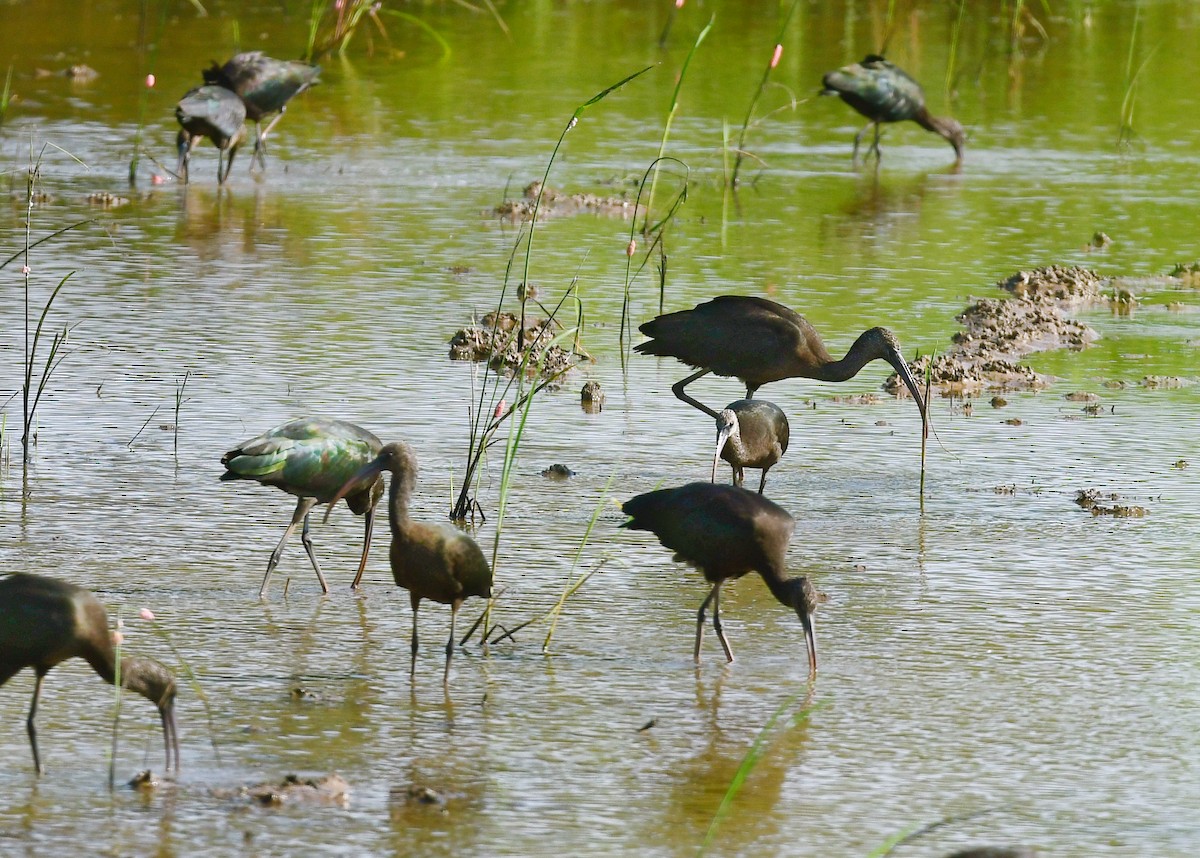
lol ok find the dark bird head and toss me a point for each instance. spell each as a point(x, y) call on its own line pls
point(396, 457)
point(881, 344)
point(952, 130)
point(803, 598)
point(727, 430)
point(152, 680)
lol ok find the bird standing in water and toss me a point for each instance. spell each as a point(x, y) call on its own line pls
point(310, 458)
point(429, 561)
point(726, 532)
point(751, 433)
point(44, 621)
point(760, 341)
point(883, 92)
point(213, 112)
point(265, 85)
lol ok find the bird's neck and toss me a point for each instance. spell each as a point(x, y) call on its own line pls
point(936, 124)
point(860, 354)
point(398, 495)
point(783, 588)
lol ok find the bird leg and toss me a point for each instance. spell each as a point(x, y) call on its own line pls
point(416, 601)
point(738, 475)
point(450, 643)
point(717, 623)
point(260, 143)
point(29, 725)
point(762, 484)
point(700, 619)
point(303, 506)
point(857, 140)
point(312, 555)
point(362, 564)
point(677, 389)
point(875, 147)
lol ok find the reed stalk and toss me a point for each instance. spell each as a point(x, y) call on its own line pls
point(776, 54)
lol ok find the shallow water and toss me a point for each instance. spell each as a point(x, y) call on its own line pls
point(999, 655)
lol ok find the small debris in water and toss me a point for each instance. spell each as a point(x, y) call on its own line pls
point(1164, 382)
point(558, 472)
point(330, 789)
point(1093, 410)
point(1180, 463)
point(415, 795)
point(145, 781)
point(857, 399)
point(1090, 499)
point(1099, 241)
point(1081, 396)
point(591, 397)
point(998, 402)
point(106, 200)
point(494, 339)
point(299, 692)
point(653, 722)
point(79, 72)
point(1015, 421)
point(555, 203)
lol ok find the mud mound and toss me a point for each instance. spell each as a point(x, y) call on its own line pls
point(555, 203)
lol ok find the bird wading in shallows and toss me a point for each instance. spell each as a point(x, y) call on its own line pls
point(431, 562)
point(726, 532)
point(311, 459)
point(751, 433)
point(44, 621)
point(759, 341)
point(265, 86)
point(213, 112)
point(883, 92)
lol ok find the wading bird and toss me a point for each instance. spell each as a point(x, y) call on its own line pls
point(44, 621)
point(213, 112)
point(726, 532)
point(751, 433)
point(311, 459)
point(759, 341)
point(431, 562)
point(883, 92)
point(266, 85)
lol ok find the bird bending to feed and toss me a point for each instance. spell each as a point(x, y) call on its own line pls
point(883, 92)
point(44, 621)
point(310, 458)
point(751, 433)
point(213, 112)
point(265, 85)
point(429, 561)
point(760, 341)
point(726, 532)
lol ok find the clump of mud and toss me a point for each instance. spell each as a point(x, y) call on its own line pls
point(1094, 501)
point(997, 333)
point(327, 790)
point(555, 203)
point(499, 340)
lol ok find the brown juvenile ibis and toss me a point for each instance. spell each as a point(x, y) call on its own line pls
point(760, 341)
point(751, 433)
point(883, 92)
point(429, 561)
point(310, 458)
point(44, 621)
point(213, 112)
point(726, 532)
point(265, 85)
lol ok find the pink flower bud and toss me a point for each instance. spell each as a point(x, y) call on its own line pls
point(631, 248)
point(501, 407)
point(118, 638)
point(25, 269)
point(775, 57)
point(147, 614)
point(678, 4)
point(149, 81)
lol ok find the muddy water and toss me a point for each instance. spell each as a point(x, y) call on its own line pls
point(1001, 656)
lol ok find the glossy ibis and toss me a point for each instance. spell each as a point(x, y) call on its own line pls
point(751, 433)
point(311, 459)
point(760, 341)
point(883, 92)
point(265, 85)
point(726, 532)
point(44, 621)
point(429, 561)
point(213, 112)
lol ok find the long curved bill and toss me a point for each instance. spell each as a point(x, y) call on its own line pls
point(810, 639)
point(724, 430)
point(898, 363)
point(366, 474)
point(170, 732)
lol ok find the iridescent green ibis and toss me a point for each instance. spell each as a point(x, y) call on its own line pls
point(751, 433)
point(311, 459)
point(883, 92)
point(759, 341)
point(265, 85)
point(213, 112)
point(431, 562)
point(726, 532)
point(44, 621)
